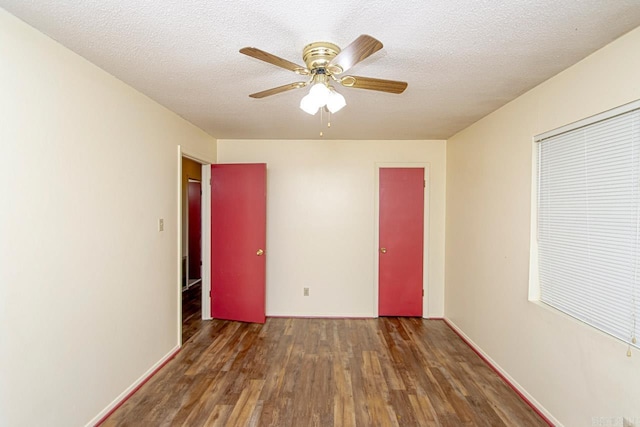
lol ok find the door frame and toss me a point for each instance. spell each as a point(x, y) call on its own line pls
point(205, 253)
point(188, 230)
point(425, 249)
point(206, 242)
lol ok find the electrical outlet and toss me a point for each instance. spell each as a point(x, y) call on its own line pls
point(306, 292)
point(161, 224)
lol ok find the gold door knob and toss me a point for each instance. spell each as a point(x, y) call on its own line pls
point(260, 252)
point(383, 250)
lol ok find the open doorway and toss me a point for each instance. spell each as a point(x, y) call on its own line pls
point(191, 253)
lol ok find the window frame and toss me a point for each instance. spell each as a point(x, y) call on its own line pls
point(534, 293)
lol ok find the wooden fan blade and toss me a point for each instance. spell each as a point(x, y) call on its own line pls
point(361, 48)
point(272, 59)
point(278, 89)
point(390, 86)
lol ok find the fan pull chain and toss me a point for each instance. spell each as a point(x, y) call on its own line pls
point(322, 120)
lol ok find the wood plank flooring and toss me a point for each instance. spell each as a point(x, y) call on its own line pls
point(326, 372)
point(191, 312)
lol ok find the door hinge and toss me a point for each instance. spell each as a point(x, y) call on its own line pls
point(209, 293)
point(209, 181)
point(423, 292)
point(424, 183)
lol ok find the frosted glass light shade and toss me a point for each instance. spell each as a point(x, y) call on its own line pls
point(335, 102)
point(320, 94)
point(308, 105)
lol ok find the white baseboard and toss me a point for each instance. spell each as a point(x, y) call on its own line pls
point(513, 383)
point(128, 392)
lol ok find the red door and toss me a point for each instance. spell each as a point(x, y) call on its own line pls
point(238, 238)
point(194, 225)
point(401, 241)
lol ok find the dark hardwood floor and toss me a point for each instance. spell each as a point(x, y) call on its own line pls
point(326, 372)
point(191, 312)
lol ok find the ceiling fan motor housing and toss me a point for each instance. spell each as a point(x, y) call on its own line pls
point(319, 54)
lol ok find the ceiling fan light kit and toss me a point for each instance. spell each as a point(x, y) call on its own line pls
point(325, 62)
point(322, 95)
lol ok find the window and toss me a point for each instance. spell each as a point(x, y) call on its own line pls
point(588, 220)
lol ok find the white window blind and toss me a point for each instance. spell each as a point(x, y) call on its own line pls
point(589, 223)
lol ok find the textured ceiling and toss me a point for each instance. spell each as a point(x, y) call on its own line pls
point(461, 58)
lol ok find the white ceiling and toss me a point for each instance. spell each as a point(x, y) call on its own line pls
point(461, 58)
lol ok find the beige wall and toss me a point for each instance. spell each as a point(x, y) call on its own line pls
point(572, 370)
point(88, 286)
point(321, 225)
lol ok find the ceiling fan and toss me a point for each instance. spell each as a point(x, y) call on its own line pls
point(325, 63)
